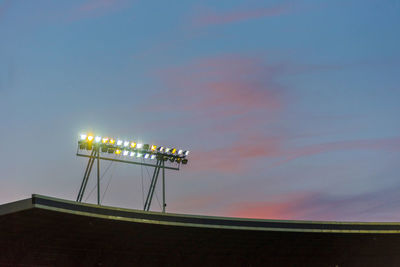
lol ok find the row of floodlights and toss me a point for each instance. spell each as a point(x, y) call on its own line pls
point(132, 149)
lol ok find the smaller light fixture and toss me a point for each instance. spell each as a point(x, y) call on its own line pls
point(125, 153)
point(119, 142)
point(126, 143)
point(97, 139)
point(147, 155)
point(83, 136)
point(118, 151)
point(132, 154)
point(139, 146)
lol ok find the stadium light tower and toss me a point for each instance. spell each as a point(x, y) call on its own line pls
point(98, 148)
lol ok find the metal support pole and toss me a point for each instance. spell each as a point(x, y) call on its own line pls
point(153, 189)
point(163, 185)
point(152, 186)
point(86, 176)
point(98, 176)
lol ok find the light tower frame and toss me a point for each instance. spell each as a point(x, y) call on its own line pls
point(94, 155)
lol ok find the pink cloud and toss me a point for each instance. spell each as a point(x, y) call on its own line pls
point(388, 144)
point(4, 6)
point(94, 8)
point(372, 206)
point(213, 18)
point(228, 95)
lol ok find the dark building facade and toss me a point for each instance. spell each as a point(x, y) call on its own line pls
point(44, 231)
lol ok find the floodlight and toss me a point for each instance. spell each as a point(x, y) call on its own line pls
point(125, 153)
point(132, 154)
point(112, 141)
point(126, 143)
point(184, 161)
point(90, 138)
point(172, 159)
point(173, 151)
point(119, 142)
point(160, 148)
point(178, 160)
point(180, 152)
point(117, 151)
point(146, 146)
point(153, 156)
point(97, 139)
point(83, 136)
point(139, 155)
point(147, 155)
point(186, 152)
point(133, 144)
point(139, 146)
point(104, 140)
point(167, 150)
point(153, 147)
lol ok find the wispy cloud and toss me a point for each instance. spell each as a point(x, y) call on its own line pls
point(373, 206)
point(95, 8)
point(228, 96)
point(4, 6)
point(386, 144)
point(215, 18)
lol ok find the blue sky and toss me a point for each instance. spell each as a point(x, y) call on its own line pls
point(290, 108)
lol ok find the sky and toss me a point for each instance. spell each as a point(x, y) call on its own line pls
point(290, 108)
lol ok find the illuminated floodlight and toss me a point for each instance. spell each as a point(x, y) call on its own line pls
point(153, 148)
point(167, 150)
point(186, 152)
point(180, 152)
point(147, 155)
point(139, 155)
point(173, 151)
point(153, 156)
point(118, 151)
point(90, 138)
point(112, 141)
point(119, 142)
point(132, 154)
point(97, 139)
point(161, 149)
point(125, 153)
point(126, 143)
point(104, 140)
point(133, 144)
point(83, 136)
point(139, 146)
